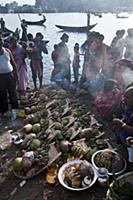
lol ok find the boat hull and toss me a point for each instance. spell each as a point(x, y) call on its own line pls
point(37, 23)
point(81, 29)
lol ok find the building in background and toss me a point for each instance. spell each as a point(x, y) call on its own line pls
point(93, 6)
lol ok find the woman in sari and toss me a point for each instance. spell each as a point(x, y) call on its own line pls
point(19, 54)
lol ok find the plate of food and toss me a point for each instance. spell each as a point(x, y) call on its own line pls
point(77, 175)
point(109, 159)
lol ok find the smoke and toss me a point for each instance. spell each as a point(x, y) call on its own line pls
point(127, 76)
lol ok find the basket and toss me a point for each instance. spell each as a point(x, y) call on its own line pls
point(127, 177)
point(53, 155)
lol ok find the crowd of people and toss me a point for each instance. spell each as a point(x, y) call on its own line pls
point(104, 75)
point(14, 74)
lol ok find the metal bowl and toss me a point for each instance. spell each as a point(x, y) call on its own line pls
point(61, 175)
point(109, 173)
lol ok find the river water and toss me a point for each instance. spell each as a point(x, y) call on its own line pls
point(107, 25)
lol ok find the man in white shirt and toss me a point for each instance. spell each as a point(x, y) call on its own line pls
point(8, 78)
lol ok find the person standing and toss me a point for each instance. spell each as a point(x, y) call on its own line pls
point(75, 64)
point(55, 56)
point(2, 24)
point(40, 45)
point(64, 58)
point(57, 74)
point(34, 64)
point(19, 54)
point(24, 27)
point(8, 78)
point(93, 78)
point(55, 59)
point(118, 43)
point(129, 44)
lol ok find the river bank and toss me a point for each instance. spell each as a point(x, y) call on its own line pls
point(13, 188)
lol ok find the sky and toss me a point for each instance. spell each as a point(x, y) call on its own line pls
point(20, 2)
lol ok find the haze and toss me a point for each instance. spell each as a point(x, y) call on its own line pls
point(20, 2)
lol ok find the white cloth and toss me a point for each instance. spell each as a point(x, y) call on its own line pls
point(5, 65)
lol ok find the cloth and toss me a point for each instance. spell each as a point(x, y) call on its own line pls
point(76, 60)
point(64, 60)
point(18, 54)
point(55, 56)
point(128, 116)
point(7, 84)
point(36, 66)
point(76, 66)
point(106, 101)
point(5, 65)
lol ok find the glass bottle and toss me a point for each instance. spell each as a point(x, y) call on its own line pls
point(103, 178)
point(51, 175)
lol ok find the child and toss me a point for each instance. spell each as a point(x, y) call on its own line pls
point(55, 59)
point(124, 127)
point(35, 64)
point(40, 45)
point(75, 63)
point(55, 56)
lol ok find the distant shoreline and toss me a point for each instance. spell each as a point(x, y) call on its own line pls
point(97, 12)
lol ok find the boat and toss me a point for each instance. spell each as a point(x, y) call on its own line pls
point(36, 23)
point(80, 29)
point(121, 16)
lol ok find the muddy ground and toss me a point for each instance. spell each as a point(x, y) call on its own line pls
point(37, 188)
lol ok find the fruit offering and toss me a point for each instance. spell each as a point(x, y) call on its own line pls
point(109, 160)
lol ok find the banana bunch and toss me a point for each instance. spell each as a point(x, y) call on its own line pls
point(102, 161)
point(77, 151)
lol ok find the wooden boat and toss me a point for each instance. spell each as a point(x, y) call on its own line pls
point(121, 16)
point(36, 23)
point(80, 29)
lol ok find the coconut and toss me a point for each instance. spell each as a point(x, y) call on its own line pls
point(65, 146)
point(36, 128)
point(30, 118)
point(27, 128)
point(36, 143)
point(17, 164)
point(36, 118)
